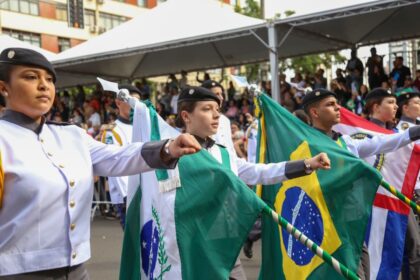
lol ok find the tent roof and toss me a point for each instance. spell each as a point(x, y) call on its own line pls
point(9, 42)
point(203, 34)
point(364, 24)
point(175, 34)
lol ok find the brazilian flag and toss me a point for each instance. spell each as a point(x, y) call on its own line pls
point(331, 207)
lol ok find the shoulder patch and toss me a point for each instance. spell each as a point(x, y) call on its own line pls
point(404, 126)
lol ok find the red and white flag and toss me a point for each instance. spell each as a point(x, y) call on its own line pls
point(386, 232)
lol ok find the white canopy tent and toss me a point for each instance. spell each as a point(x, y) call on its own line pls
point(204, 34)
point(176, 35)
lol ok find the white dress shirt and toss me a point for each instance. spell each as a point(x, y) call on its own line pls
point(48, 190)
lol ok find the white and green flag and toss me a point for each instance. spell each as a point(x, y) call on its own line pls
point(186, 223)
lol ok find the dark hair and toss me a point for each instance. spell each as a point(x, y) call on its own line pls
point(5, 70)
point(188, 106)
point(400, 107)
point(367, 109)
point(300, 114)
point(2, 101)
point(309, 106)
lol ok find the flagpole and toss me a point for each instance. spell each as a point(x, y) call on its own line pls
point(402, 197)
point(339, 267)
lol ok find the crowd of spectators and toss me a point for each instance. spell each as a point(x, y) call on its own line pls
point(92, 111)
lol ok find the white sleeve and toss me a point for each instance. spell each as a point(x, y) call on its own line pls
point(259, 173)
point(379, 144)
point(112, 160)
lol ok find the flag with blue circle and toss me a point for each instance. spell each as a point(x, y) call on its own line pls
point(331, 207)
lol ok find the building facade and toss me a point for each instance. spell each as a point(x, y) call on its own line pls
point(47, 23)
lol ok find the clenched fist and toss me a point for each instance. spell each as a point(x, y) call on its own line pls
point(184, 144)
point(320, 161)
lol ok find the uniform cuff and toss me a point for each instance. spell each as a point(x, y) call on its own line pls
point(294, 169)
point(414, 133)
point(152, 155)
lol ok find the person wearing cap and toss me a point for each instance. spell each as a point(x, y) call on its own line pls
point(381, 108)
point(408, 110)
point(224, 132)
point(120, 133)
point(324, 112)
point(409, 113)
point(199, 115)
point(47, 170)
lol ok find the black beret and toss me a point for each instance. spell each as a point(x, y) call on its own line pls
point(197, 94)
point(316, 95)
point(27, 57)
point(406, 96)
point(211, 84)
point(130, 88)
point(378, 92)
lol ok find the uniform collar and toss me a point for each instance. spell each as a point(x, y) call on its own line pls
point(405, 119)
point(378, 122)
point(23, 120)
point(333, 135)
point(205, 143)
point(121, 119)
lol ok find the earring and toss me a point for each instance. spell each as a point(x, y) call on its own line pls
point(5, 94)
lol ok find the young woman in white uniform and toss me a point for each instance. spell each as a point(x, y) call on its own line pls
point(46, 174)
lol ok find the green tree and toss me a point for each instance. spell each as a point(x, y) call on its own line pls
point(310, 63)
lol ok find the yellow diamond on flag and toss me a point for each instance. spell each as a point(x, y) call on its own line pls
point(301, 202)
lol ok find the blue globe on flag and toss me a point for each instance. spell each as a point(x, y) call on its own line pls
point(301, 211)
point(149, 238)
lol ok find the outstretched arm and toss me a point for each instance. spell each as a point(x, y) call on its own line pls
point(384, 143)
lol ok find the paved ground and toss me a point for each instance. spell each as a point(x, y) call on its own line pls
point(106, 241)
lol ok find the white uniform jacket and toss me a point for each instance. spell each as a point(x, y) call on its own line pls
point(256, 173)
point(48, 190)
point(402, 126)
point(377, 144)
point(120, 135)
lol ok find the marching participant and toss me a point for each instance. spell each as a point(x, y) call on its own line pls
point(199, 115)
point(47, 170)
point(409, 112)
point(324, 112)
point(120, 133)
point(224, 132)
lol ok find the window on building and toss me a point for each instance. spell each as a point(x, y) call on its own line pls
point(141, 3)
point(90, 18)
point(32, 38)
point(63, 44)
point(108, 21)
point(21, 6)
point(61, 12)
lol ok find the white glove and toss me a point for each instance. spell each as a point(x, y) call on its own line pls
point(124, 95)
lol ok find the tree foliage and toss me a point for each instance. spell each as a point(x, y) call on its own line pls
point(310, 63)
